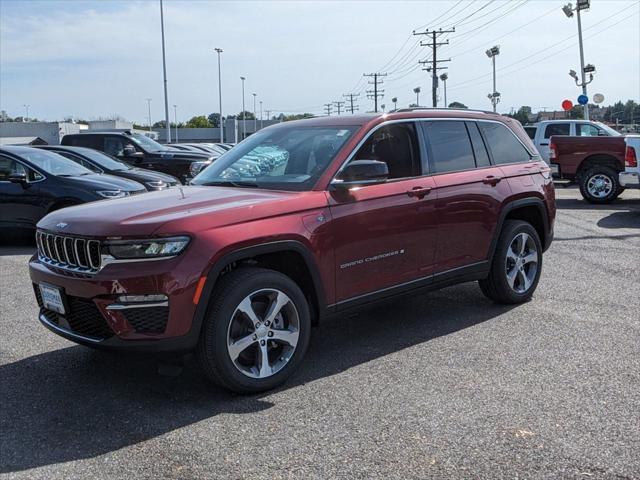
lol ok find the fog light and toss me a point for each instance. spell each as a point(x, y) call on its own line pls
point(141, 298)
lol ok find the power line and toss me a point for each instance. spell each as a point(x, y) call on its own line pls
point(375, 93)
point(434, 59)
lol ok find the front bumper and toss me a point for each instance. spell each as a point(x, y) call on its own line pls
point(629, 179)
point(96, 317)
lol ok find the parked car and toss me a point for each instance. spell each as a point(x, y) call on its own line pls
point(593, 162)
point(541, 132)
point(630, 177)
point(301, 220)
point(141, 151)
point(99, 162)
point(35, 182)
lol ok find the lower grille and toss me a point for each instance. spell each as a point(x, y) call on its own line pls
point(83, 317)
point(148, 320)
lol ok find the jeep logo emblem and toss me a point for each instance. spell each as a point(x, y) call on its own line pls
point(61, 225)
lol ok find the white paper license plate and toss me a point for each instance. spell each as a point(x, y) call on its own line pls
point(52, 298)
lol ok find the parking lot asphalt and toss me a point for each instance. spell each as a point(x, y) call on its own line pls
point(440, 385)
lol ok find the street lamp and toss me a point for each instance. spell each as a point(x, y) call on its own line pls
point(260, 114)
point(417, 92)
point(175, 119)
point(568, 10)
point(149, 106)
point(444, 77)
point(164, 71)
point(26, 115)
point(244, 119)
point(221, 124)
point(255, 119)
point(492, 53)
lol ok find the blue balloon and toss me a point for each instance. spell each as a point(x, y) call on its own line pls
point(583, 99)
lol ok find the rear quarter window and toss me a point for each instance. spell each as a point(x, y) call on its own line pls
point(503, 144)
point(557, 129)
point(450, 147)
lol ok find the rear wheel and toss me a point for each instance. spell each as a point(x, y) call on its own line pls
point(600, 184)
point(516, 266)
point(256, 332)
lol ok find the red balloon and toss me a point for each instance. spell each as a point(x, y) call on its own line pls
point(567, 105)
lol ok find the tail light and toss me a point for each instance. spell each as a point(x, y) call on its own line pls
point(553, 151)
point(630, 159)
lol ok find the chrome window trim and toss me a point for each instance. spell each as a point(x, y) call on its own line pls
point(535, 156)
point(27, 167)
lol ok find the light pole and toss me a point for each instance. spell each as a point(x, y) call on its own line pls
point(164, 72)
point(492, 53)
point(219, 50)
point(255, 119)
point(395, 103)
point(260, 114)
point(444, 77)
point(244, 119)
point(26, 115)
point(417, 92)
point(149, 106)
point(175, 119)
point(568, 11)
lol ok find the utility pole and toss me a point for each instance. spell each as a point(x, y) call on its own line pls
point(395, 103)
point(268, 114)
point(417, 92)
point(444, 77)
point(221, 123)
point(492, 53)
point(434, 59)
point(327, 108)
point(244, 117)
point(175, 119)
point(255, 119)
point(260, 114)
point(338, 105)
point(149, 106)
point(164, 71)
point(351, 97)
point(375, 93)
point(568, 11)
point(26, 115)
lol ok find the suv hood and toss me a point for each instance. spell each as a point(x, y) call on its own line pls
point(180, 210)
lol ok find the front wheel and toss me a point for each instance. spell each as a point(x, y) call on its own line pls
point(516, 266)
point(600, 184)
point(256, 332)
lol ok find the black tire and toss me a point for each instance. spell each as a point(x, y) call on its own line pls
point(212, 352)
point(496, 285)
point(608, 172)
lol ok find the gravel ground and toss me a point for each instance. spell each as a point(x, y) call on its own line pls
point(442, 385)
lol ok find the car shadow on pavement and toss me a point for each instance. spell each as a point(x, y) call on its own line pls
point(16, 242)
point(629, 219)
point(580, 204)
point(75, 403)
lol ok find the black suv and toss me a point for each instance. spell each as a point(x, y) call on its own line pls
point(142, 151)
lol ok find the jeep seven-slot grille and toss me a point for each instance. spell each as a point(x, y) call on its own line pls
point(71, 253)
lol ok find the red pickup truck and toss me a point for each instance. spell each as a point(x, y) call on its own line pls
point(592, 162)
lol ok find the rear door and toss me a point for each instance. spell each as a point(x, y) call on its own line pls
point(470, 191)
point(384, 235)
point(551, 129)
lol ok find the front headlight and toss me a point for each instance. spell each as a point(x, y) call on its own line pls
point(112, 193)
point(151, 248)
point(156, 185)
point(197, 167)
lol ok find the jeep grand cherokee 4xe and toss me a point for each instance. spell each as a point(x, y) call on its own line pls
point(301, 220)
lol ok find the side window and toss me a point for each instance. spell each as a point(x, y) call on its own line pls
point(88, 141)
point(450, 146)
point(586, 130)
point(479, 148)
point(556, 129)
point(503, 144)
point(114, 146)
point(397, 146)
point(79, 160)
point(9, 166)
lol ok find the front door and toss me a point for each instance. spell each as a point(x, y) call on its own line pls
point(21, 203)
point(384, 235)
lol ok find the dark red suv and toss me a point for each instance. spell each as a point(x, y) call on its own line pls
point(301, 220)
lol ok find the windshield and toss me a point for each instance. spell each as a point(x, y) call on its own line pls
point(610, 131)
point(281, 158)
point(103, 160)
point(147, 143)
point(55, 164)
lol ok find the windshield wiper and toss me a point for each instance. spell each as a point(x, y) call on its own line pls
point(228, 183)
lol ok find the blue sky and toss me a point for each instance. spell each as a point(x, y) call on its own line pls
point(93, 59)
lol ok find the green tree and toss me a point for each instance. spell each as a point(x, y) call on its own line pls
point(457, 105)
point(246, 115)
point(199, 121)
point(522, 115)
point(214, 119)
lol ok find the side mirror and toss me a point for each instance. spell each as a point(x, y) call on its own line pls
point(360, 173)
point(18, 177)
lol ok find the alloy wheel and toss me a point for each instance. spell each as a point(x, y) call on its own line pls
point(521, 263)
point(600, 185)
point(263, 333)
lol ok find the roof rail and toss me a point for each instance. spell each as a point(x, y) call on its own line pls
point(414, 109)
